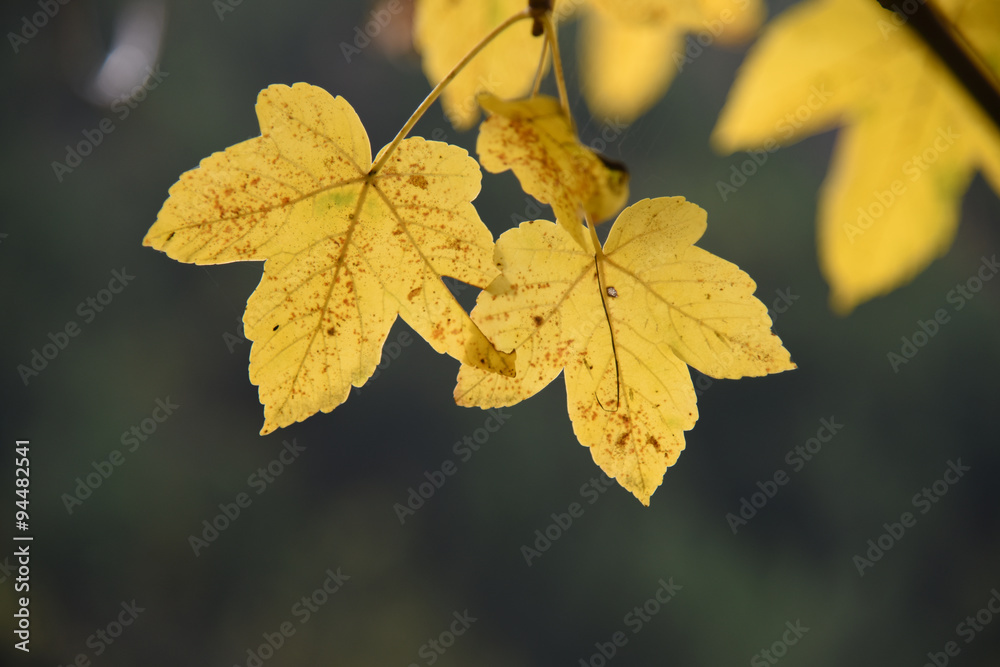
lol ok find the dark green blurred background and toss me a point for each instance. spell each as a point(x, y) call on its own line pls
point(173, 333)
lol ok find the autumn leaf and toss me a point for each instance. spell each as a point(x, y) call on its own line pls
point(630, 50)
point(623, 323)
point(912, 136)
point(445, 30)
point(347, 249)
point(536, 140)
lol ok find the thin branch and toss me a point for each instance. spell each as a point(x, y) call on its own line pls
point(929, 25)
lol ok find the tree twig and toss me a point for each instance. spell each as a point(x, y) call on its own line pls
point(927, 22)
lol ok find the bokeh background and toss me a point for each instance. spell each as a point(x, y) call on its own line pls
point(173, 334)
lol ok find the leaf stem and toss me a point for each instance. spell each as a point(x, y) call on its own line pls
point(542, 63)
point(927, 22)
point(603, 288)
point(550, 35)
point(598, 250)
point(443, 83)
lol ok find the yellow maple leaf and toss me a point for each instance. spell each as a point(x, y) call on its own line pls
point(347, 248)
point(912, 139)
point(630, 50)
point(623, 322)
point(445, 30)
point(536, 140)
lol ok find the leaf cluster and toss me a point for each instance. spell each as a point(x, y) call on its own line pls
point(350, 242)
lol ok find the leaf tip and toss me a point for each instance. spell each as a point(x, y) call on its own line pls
point(508, 364)
point(723, 139)
point(843, 303)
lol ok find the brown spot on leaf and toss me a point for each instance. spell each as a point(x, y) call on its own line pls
point(331, 331)
point(418, 181)
point(413, 293)
point(620, 443)
point(538, 320)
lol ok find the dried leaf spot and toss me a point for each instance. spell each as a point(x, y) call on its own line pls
point(418, 181)
point(538, 320)
point(413, 293)
point(331, 331)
